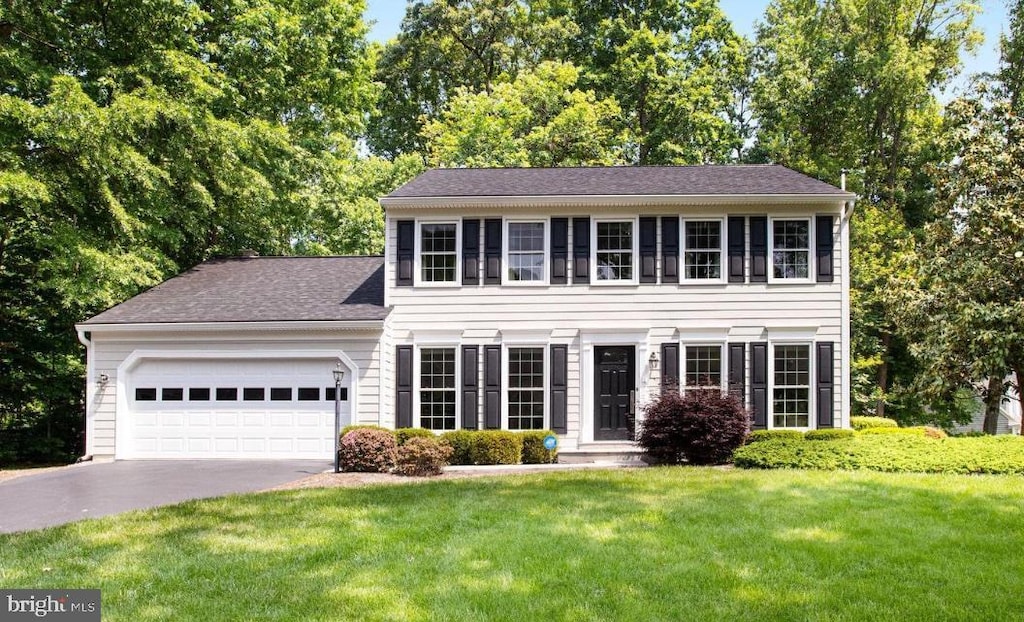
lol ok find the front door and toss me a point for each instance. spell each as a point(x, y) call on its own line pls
point(614, 384)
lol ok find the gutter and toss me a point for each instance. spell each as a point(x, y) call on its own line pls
point(321, 325)
point(613, 200)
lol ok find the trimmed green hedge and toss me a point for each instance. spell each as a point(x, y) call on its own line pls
point(767, 435)
point(889, 452)
point(534, 451)
point(404, 434)
point(496, 447)
point(828, 435)
point(461, 442)
point(863, 423)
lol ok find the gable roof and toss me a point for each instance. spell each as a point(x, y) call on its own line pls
point(261, 289)
point(705, 180)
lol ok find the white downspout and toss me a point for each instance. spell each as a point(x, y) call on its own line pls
point(90, 392)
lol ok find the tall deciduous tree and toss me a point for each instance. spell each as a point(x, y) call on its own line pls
point(851, 84)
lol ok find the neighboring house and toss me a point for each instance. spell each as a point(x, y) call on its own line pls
point(507, 298)
point(1009, 421)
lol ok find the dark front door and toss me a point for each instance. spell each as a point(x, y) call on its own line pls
point(614, 378)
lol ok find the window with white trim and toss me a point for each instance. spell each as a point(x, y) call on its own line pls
point(791, 388)
point(702, 251)
point(526, 388)
point(703, 367)
point(524, 255)
point(437, 388)
point(614, 250)
point(438, 252)
point(791, 248)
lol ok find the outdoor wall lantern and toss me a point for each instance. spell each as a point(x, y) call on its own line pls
point(653, 361)
point(102, 381)
point(339, 375)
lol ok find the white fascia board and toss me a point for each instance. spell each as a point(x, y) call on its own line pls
point(638, 200)
point(231, 326)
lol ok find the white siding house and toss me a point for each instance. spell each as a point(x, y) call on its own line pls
point(517, 299)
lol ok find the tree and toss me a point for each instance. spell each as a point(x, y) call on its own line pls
point(140, 138)
point(850, 84)
point(540, 119)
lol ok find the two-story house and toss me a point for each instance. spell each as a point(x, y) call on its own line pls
point(507, 298)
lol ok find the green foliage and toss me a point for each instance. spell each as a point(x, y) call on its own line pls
point(422, 456)
point(697, 427)
point(496, 447)
point(402, 435)
point(920, 430)
point(828, 435)
point(758, 436)
point(461, 442)
point(534, 451)
point(863, 423)
point(890, 452)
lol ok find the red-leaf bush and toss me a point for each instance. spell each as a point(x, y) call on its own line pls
point(698, 427)
point(366, 450)
point(422, 456)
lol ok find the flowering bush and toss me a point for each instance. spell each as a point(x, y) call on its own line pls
point(366, 450)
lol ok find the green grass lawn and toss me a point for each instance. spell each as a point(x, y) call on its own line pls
point(646, 544)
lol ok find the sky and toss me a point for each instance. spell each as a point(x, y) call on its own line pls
point(744, 14)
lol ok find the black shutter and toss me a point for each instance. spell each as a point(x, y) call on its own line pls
point(758, 249)
point(406, 251)
point(403, 387)
point(492, 250)
point(471, 252)
point(670, 366)
point(737, 370)
point(559, 251)
point(759, 384)
point(492, 387)
point(825, 384)
point(470, 386)
point(669, 249)
point(580, 250)
point(648, 249)
point(559, 388)
point(823, 247)
point(737, 248)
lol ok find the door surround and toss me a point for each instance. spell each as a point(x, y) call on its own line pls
point(638, 338)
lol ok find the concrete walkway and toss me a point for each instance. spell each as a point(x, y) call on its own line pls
point(58, 496)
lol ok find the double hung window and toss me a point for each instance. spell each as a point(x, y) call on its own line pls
point(791, 249)
point(525, 255)
point(791, 390)
point(702, 255)
point(437, 388)
point(614, 253)
point(438, 252)
point(526, 388)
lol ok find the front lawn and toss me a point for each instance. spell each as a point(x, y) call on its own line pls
point(646, 544)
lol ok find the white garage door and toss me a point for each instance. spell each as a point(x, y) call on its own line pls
point(228, 408)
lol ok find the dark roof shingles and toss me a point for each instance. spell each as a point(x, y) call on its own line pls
point(616, 180)
point(261, 289)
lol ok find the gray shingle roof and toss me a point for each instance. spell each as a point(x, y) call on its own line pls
point(757, 179)
point(261, 289)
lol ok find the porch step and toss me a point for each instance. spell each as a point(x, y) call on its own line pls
point(619, 453)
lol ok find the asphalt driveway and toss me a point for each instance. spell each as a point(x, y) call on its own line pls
point(55, 497)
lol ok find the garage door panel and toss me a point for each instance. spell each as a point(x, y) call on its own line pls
point(201, 425)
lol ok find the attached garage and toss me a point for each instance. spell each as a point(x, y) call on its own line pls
point(235, 359)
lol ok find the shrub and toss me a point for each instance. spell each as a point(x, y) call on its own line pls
point(769, 435)
point(931, 432)
point(402, 435)
point(422, 456)
point(345, 430)
point(700, 427)
point(892, 453)
point(916, 431)
point(828, 435)
point(862, 423)
point(461, 442)
point(366, 450)
point(496, 447)
point(534, 451)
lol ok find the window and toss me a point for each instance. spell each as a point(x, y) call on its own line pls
point(525, 254)
point(703, 367)
point(702, 257)
point(526, 388)
point(791, 249)
point(438, 252)
point(309, 394)
point(437, 388)
point(792, 386)
point(329, 394)
point(145, 395)
point(614, 251)
point(227, 394)
point(199, 394)
point(280, 394)
point(253, 394)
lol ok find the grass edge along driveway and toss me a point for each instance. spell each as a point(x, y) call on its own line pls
point(651, 544)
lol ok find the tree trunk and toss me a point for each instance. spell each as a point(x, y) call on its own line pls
point(993, 400)
point(882, 375)
point(1019, 373)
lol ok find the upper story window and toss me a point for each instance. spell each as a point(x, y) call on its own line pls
point(437, 388)
point(438, 252)
point(525, 252)
point(614, 251)
point(791, 390)
point(703, 367)
point(525, 388)
point(702, 256)
point(791, 248)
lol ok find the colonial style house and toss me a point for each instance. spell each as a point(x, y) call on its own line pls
point(511, 299)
